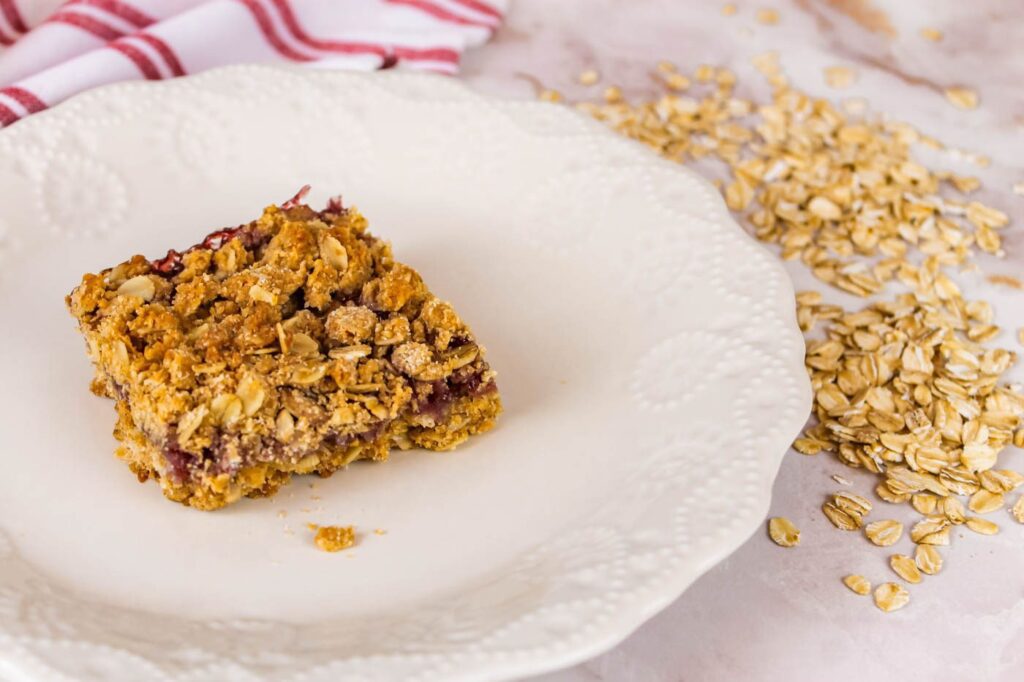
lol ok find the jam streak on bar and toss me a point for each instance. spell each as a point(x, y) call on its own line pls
point(171, 264)
point(182, 463)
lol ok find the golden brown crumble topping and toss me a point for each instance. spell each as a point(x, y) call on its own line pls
point(293, 344)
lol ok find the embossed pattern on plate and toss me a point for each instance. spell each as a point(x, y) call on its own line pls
point(649, 357)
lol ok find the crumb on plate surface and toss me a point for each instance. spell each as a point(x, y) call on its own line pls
point(333, 538)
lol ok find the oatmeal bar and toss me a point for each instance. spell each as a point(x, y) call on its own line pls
point(295, 344)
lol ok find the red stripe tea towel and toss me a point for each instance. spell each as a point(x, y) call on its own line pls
point(51, 50)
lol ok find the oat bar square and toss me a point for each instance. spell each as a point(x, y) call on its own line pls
point(294, 344)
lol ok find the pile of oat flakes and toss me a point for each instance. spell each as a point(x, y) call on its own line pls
point(905, 387)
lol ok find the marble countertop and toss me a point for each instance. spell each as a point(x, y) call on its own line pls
point(767, 613)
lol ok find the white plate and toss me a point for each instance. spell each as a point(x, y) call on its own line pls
point(647, 351)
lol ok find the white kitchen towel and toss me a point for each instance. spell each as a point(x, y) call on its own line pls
point(51, 50)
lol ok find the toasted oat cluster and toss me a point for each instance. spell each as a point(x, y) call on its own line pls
point(294, 344)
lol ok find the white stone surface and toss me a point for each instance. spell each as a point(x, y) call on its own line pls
point(768, 613)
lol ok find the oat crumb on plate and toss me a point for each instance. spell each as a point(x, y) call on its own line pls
point(333, 538)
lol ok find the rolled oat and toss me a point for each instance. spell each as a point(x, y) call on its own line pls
point(783, 533)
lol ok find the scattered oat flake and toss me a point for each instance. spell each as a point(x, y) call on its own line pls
point(840, 76)
point(807, 446)
point(766, 16)
point(985, 502)
point(962, 98)
point(589, 77)
point(884, 533)
point(1000, 480)
point(1018, 188)
point(905, 567)
point(953, 509)
point(924, 503)
point(932, 34)
point(858, 584)
point(550, 96)
point(824, 208)
point(1018, 510)
point(704, 73)
point(887, 495)
point(1006, 280)
point(379, 531)
point(928, 559)
point(808, 297)
point(891, 597)
point(677, 82)
point(852, 503)
point(728, 10)
point(983, 526)
point(965, 183)
point(782, 532)
point(933, 530)
point(281, 513)
point(841, 480)
point(333, 538)
point(839, 518)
